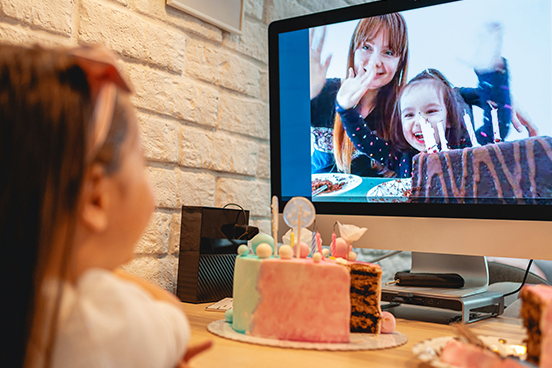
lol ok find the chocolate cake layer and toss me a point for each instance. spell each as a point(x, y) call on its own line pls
point(365, 298)
point(509, 172)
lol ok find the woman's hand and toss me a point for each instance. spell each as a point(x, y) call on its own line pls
point(355, 87)
point(193, 351)
point(318, 69)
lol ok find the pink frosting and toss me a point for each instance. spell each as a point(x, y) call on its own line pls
point(314, 296)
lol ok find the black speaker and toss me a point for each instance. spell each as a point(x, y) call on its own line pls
point(209, 239)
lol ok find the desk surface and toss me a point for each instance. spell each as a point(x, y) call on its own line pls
point(228, 353)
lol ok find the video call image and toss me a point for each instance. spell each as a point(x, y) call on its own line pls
point(448, 103)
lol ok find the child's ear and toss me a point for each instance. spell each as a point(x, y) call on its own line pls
point(95, 200)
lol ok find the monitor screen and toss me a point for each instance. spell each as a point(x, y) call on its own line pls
point(405, 111)
point(415, 102)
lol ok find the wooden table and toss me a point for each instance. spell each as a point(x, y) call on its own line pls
point(229, 353)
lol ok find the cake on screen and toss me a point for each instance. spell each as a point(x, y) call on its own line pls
point(306, 293)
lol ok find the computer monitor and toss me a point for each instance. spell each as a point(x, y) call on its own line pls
point(441, 36)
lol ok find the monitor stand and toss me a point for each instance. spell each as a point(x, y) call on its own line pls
point(473, 300)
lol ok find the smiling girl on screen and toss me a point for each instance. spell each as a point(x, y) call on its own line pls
point(74, 199)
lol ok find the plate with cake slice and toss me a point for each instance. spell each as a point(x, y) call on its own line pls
point(395, 190)
point(331, 184)
point(432, 351)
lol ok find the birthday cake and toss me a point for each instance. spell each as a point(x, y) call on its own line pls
point(300, 299)
point(508, 172)
point(536, 312)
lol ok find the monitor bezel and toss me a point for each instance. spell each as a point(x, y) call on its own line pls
point(530, 212)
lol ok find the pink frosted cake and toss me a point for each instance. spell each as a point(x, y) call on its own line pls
point(300, 300)
point(536, 312)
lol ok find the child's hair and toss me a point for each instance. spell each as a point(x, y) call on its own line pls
point(46, 119)
point(455, 105)
point(367, 29)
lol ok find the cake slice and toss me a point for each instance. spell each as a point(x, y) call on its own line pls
point(365, 297)
point(536, 312)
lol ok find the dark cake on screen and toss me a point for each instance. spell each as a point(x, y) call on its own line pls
point(518, 172)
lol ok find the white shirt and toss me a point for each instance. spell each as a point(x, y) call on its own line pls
point(108, 322)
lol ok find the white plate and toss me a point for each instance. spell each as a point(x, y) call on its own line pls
point(396, 190)
point(349, 182)
point(359, 341)
point(429, 351)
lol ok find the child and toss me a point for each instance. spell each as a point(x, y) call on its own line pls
point(74, 199)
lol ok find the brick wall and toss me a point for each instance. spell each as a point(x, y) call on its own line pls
point(201, 96)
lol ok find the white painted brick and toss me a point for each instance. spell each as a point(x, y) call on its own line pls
point(195, 147)
point(264, 85)
point(52, 15)
point(132, 36)
point(240, 75)
point(166, 13)
point(160, 271)
point(159, 138)
point(244, 116)
point(264, 225)
point(253, 41)
point(320, 5)
point(279, 9)
point(214, 65)
point(155, 239)
point(263, 168)
point(174, 238)
point(217, 151)
point(173, 95)
point(197, 188)
point(17, 35)
point(252, 195)
point(254, 8)
point(165, 186)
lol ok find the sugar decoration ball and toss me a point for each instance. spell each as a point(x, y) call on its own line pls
point(285, 252)
point(317, 257)
point(325, 252)
point(243, 250)
point(352, 256)
point(229, 316)
point(341, 248)
point(263, 250)
point(305, 250)
point(261, 238)
point(388, 322)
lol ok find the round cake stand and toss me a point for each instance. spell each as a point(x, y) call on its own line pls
point(359, 341)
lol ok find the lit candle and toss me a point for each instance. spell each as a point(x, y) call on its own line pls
point(496, 128)
point(429, 135)
point(471, 132)
point(442, 137)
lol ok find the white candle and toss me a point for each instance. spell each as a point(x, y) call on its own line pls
point(442, 137)
point(429, 135)
point(275, 211)
point(471, 132)
point(496, 128)
point(298, 241)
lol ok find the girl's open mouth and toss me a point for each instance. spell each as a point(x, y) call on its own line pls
point(419, 137)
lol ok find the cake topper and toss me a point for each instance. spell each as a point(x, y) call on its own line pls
point(299, 212)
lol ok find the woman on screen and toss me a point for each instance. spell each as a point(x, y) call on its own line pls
point(377, 65)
